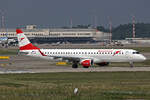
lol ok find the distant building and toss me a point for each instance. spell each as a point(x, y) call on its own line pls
point(59, 35)
point(139, 40)
point(30, 27)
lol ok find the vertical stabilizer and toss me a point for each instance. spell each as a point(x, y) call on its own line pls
point(24, 43)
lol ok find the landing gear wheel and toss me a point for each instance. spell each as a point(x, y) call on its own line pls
point(131, 64)
point(75, 65)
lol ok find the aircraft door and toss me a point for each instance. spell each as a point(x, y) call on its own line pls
point(128, 55)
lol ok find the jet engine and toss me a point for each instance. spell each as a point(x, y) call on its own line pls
point(86, 63)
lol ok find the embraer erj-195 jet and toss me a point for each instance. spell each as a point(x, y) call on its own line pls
point(86, 57)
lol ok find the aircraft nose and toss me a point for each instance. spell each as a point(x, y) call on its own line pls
point(143, 58)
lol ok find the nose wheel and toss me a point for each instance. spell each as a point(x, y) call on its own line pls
point(131, 64)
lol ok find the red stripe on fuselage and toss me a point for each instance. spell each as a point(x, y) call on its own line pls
point(28, 47)
point(42, 53)
point(31, 47)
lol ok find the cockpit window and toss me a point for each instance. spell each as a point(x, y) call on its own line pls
point(136, 53)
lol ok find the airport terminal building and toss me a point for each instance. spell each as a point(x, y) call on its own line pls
point(54, 35)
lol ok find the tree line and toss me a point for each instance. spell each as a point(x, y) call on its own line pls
point(123, 31)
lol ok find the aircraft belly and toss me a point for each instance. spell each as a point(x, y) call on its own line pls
point(119, 59)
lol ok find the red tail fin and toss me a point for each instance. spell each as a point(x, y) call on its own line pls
point(29, 46)
point(24, 43)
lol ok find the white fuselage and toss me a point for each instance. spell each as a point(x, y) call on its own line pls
point(97, 55)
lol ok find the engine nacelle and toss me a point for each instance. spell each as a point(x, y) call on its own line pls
point(103, 64)
point(86, 63)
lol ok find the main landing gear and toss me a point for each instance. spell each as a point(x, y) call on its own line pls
point(75, 64)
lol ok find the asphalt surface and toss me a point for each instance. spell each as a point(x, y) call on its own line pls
point(65, 69)
point(26, 64)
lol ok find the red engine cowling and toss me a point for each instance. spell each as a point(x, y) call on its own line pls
point(86, 63)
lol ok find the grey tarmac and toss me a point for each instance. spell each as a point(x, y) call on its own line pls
point(56, 69)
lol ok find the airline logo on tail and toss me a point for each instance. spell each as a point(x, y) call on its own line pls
point(25, 44)
point(21, 39)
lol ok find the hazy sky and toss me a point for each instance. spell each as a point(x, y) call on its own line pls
point(59, 12)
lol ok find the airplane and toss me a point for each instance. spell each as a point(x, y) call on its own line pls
point(85, 57)
point(3, 39)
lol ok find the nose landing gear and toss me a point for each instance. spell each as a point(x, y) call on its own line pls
point(131, 64)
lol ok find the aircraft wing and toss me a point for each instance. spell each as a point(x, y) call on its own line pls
point(69, 58)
